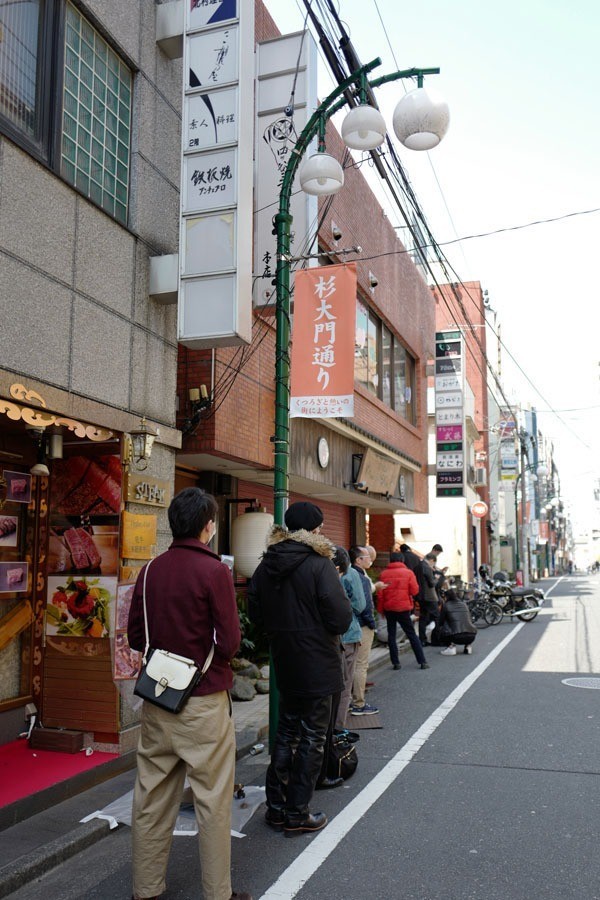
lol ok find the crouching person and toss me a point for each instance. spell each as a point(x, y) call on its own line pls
point(455, 626)
point(296, 596)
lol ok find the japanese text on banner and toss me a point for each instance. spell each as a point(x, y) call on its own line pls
point(322, 379)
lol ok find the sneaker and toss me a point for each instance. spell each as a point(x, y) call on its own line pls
point(429, 628)
point(424, 665)
point(449, 651)
point(468, 649)
point(366, 710)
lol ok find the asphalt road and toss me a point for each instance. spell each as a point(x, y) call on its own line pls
point(483, 784)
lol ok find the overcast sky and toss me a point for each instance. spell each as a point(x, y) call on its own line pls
point(523, 86)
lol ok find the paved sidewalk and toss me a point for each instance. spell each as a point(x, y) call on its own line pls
point(40, 833)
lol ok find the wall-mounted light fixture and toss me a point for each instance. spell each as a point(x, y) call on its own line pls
point(38, 434)
point(199, 401)
point(138, 445)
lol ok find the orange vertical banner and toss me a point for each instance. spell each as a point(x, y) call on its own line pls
point(323, 341)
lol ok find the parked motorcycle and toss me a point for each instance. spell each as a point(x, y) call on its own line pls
point(522, 602)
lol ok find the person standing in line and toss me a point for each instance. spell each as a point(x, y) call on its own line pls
point(341, 561)
point(296, 596)
point(461, 631)
point(361, 561)
point(350, 642)
point(189, 601)
point(429, 598)
point(396, 602)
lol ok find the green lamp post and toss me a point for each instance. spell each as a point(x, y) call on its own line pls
point(420, 121)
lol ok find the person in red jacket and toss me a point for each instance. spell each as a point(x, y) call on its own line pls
point(396, 602)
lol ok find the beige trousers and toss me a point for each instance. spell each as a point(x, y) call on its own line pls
point(198, 742)
point(362, 665)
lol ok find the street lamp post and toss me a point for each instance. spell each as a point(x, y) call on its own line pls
point(420, 122)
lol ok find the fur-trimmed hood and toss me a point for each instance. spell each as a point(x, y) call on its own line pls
point(286, 550)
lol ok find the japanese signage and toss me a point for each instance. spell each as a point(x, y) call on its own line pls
point(449, 414)
point(138, 538)
point(215, 267)
point(322, 380)
point(276, 135)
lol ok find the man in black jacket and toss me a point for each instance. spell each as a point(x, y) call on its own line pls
point(296, 596)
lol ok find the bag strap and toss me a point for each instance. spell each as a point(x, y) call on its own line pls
point(145, 615)
point(211, 652)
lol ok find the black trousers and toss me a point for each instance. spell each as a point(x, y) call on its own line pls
point(404, 620)
point(462, 638)
point(428, 612)
point(297, 756)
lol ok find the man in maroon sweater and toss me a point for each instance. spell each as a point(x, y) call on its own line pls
point(190, 601)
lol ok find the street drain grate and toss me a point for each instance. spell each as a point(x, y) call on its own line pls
point(590, 683)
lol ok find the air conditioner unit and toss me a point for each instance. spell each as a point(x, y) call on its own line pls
point(480, 477)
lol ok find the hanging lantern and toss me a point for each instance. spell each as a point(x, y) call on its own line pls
point(249, 534)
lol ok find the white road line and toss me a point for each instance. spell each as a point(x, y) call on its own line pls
point(306, 864)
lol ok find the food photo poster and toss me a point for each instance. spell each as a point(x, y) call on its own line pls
point(9, 531)
point(126, 662)
point(13, 577)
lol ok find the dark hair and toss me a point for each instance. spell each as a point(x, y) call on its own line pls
point(403, 548)
point(341, 559)
point(354, 552)
point(438, 548)
point(450, 594)
point(431, 556)
point(190, 512)
point(397, 557)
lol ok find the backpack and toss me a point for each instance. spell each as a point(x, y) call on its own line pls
point(343, 758)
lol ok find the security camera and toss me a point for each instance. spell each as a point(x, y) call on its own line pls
point(336, 231)
point(373, 280)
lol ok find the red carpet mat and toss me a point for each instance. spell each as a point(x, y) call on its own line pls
point(24, 771)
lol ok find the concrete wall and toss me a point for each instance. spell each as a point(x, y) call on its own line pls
point(73, 282)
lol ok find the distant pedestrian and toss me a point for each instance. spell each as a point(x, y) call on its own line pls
point(455, 625)
point(429, 598)
point(295, 595)
point(396, 601)
point(361, 561)
point(189, 598)
point(350, 641)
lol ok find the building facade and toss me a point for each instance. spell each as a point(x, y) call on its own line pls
point(90, 160)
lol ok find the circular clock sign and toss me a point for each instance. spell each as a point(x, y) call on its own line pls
point(479, 509)
point(323, 452)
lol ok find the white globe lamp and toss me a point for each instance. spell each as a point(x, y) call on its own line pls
point(321, 174)
point(363, 128)
point(421, 119)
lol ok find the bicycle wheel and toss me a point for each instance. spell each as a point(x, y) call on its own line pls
point(476, 609)
point(493, 613)
point(527, 616)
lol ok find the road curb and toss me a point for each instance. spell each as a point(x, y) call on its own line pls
point(23, 870)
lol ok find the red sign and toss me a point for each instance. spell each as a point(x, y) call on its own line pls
point(449, 432)
point(479, 509)
point(324, 334)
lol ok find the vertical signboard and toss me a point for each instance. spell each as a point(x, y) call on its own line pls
point(215, 238)
point(449, 414)
point(322, 376)
point(286, 96)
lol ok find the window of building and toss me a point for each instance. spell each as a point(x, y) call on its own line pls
point(20, 27)
point(383, 365)
point(90, 143)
